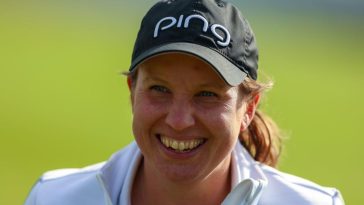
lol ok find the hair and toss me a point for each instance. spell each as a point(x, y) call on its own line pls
point(262, 139)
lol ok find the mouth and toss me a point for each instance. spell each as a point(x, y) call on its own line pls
point(180, 146)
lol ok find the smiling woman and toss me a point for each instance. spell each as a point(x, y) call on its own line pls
point(199, 138)
point(176, 104)
point(193, 106)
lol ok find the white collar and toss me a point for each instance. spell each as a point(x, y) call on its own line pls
point(244, 166)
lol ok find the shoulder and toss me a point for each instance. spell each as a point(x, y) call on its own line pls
point(285, 188)
point(69, 186)
point(59, 186)
point(64, 174)
point(75, 174)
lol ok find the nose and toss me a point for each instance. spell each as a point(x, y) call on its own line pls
point(180, 115)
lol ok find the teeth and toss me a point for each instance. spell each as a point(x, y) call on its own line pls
point(191, 145)
point(180, 145)
point(174, 144)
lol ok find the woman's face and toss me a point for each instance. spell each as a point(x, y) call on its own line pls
point(186, 118)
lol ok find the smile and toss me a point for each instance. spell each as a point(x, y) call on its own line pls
point(181, 146)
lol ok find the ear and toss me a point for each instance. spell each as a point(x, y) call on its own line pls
point(131, 90)
point(251, 107)
point(129, 81)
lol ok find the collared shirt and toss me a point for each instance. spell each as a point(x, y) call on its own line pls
point(110, 183)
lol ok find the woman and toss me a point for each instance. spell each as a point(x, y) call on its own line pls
point(199, 138)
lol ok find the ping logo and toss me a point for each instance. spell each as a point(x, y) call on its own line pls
point(170, 21)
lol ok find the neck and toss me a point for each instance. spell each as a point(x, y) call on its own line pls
point(152, 186)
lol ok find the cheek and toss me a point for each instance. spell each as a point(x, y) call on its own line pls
point(223, 128)
point(226, 119)
point(145, 114)
point(225, 132)
point(231, 125)
point(143, 119)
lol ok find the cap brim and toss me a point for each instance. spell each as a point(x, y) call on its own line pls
point(227, 70)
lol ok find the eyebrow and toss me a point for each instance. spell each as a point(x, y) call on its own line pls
point(213, 85)
point(150, 78)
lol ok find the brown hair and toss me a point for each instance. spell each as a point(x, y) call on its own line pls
point(262, 138)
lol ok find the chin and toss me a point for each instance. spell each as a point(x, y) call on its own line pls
point(181, 173)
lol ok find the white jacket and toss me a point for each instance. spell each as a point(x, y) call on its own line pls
point(109, 183)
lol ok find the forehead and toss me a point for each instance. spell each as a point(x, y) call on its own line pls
point(180, 65)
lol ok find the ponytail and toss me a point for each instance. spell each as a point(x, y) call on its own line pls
point(262, 139)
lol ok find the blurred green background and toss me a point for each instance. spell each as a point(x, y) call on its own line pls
point(63, 102)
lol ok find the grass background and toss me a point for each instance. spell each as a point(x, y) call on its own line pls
point(64, 104)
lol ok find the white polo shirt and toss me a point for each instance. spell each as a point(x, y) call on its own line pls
point(110, 183)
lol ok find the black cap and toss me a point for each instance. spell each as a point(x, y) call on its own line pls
point(212, 30)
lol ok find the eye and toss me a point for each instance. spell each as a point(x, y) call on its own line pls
point(159, 88)
point(207, 94)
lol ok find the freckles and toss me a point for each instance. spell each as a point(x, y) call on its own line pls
point(228, 121)
point(144, 104)
point(214, 120)
point(153, 108)
point(148, 112)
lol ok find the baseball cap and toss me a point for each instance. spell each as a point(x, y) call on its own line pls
point(213, 30)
